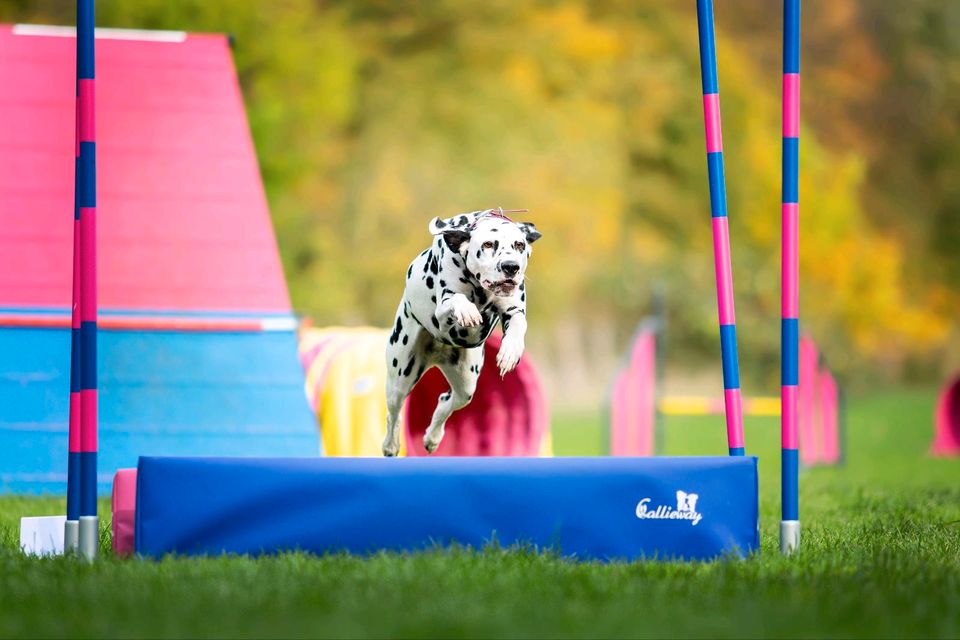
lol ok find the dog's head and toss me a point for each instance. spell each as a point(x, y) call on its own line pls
point(496, 249)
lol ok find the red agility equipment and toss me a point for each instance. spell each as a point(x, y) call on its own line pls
point(505, 418)
point(946, 440)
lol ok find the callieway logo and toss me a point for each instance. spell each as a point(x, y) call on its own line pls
point(686, 509)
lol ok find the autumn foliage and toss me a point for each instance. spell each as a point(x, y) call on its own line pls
point(372, 116)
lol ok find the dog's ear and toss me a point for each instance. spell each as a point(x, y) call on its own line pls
point(459, 221)
point(437, 226)
point(530, 231)
point(456, 238)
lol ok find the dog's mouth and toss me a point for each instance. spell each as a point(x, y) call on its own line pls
point(502, 287)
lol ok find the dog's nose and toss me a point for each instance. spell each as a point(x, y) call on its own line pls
point(510, 268)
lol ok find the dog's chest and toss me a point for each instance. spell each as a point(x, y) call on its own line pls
point(430, 275)
point(468, 337)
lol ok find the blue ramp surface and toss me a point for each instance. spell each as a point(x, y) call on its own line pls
point(590, 508)
point(161, 393)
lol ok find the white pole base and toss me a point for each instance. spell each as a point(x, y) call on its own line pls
point(89, 537)
point(789, 536)
point(71, 536)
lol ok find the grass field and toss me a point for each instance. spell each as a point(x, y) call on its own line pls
point(880, 558)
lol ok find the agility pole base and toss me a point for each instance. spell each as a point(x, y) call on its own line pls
point(588, 508)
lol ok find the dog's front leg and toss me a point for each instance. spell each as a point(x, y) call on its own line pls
point(457, 307)
point(511, 349)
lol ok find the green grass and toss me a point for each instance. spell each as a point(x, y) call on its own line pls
point(880, 557)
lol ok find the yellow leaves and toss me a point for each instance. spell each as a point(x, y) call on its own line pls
point(521, 76)
point(868, 285)
point(575, 36)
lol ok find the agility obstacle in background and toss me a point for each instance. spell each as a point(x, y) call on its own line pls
point(946, 440)
point(635, 405)
point(197, 342)
point(345, 382)
point(346, 377)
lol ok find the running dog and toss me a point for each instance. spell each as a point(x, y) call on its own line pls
point(471, 278)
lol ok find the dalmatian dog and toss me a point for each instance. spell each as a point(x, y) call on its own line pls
point(471, 278)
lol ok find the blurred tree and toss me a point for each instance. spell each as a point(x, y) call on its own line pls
point(372, 116)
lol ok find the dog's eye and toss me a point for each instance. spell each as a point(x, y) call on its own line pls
point(488, 245)
point(520, 246)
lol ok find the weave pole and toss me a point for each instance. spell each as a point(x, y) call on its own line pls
point(721, 232)
point(82, 468)
point(71, 533)
point(790, 283)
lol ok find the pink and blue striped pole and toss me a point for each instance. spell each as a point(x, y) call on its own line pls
point(82, 531)
point(71, 534)
point(721, 232)
point(790, 282)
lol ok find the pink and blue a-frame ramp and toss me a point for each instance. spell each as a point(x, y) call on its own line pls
point(196, 342)
point(790, 284)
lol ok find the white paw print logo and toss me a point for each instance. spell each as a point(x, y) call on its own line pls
point(687, 501)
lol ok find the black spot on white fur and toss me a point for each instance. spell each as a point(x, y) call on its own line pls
point(455, 239)
point(396, 332)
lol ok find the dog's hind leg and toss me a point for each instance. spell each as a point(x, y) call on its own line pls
point(462, 371)
point(398, 388)
point(406, 363)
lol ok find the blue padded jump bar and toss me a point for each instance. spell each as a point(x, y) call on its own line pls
point(590, 508)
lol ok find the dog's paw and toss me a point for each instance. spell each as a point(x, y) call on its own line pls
point(390, 449)
point(431, 442)
point(466, 313)
point(511, 349)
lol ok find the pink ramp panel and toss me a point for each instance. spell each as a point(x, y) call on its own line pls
point(829, 417)
point(183, 219)
point(946, 440)
point(632, 407)
point(505, 418)
point(123, 509)
point(811, 442)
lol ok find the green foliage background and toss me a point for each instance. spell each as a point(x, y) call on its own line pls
point(372, 116)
